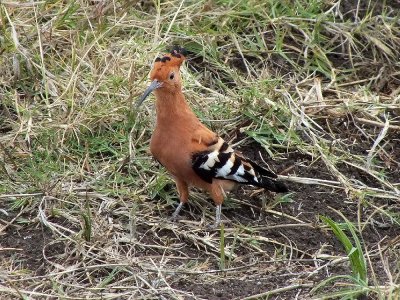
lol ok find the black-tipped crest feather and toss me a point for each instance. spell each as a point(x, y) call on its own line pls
point(176, 50)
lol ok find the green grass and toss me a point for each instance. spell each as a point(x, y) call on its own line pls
point(356, 257)
point(311, 85)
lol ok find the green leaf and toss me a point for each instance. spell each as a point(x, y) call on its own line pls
point(354, 253)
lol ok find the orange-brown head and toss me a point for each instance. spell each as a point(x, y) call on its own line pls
point(165, 73)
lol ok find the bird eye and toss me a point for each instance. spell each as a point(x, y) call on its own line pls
point(171, 76)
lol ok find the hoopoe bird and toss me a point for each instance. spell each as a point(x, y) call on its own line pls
point(192, 153)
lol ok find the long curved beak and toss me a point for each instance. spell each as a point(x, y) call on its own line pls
point(154, 85)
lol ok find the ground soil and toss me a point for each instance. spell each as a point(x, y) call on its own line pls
point(27, 244)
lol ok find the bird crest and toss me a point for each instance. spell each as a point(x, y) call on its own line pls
point(171, 60)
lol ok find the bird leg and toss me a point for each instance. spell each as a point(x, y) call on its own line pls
point(177, 210)
point(218, 215)
point(218, 195)
point(183, 191)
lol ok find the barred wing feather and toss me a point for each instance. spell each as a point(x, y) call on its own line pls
point(220, 161)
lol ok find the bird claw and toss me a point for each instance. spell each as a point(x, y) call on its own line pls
point(214, 226)
point(173, 218)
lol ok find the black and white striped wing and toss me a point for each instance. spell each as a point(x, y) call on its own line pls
point(222, 162)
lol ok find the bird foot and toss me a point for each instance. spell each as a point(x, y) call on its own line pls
point(217, 223)
point(214, 226)
point(175, 215)
point(173, 218)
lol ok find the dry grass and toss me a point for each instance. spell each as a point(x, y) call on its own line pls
point(84, 208)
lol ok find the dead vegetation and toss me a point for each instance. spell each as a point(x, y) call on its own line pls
point(311, 89)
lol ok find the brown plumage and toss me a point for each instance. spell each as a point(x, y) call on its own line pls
point(192, 153)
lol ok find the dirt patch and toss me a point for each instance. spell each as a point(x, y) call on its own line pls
point(353, 8)
point(237, 288)
point(25, 246)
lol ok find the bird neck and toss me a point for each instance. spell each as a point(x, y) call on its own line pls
point(172, 106)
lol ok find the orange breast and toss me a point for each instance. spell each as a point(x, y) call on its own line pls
point(173, 152)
